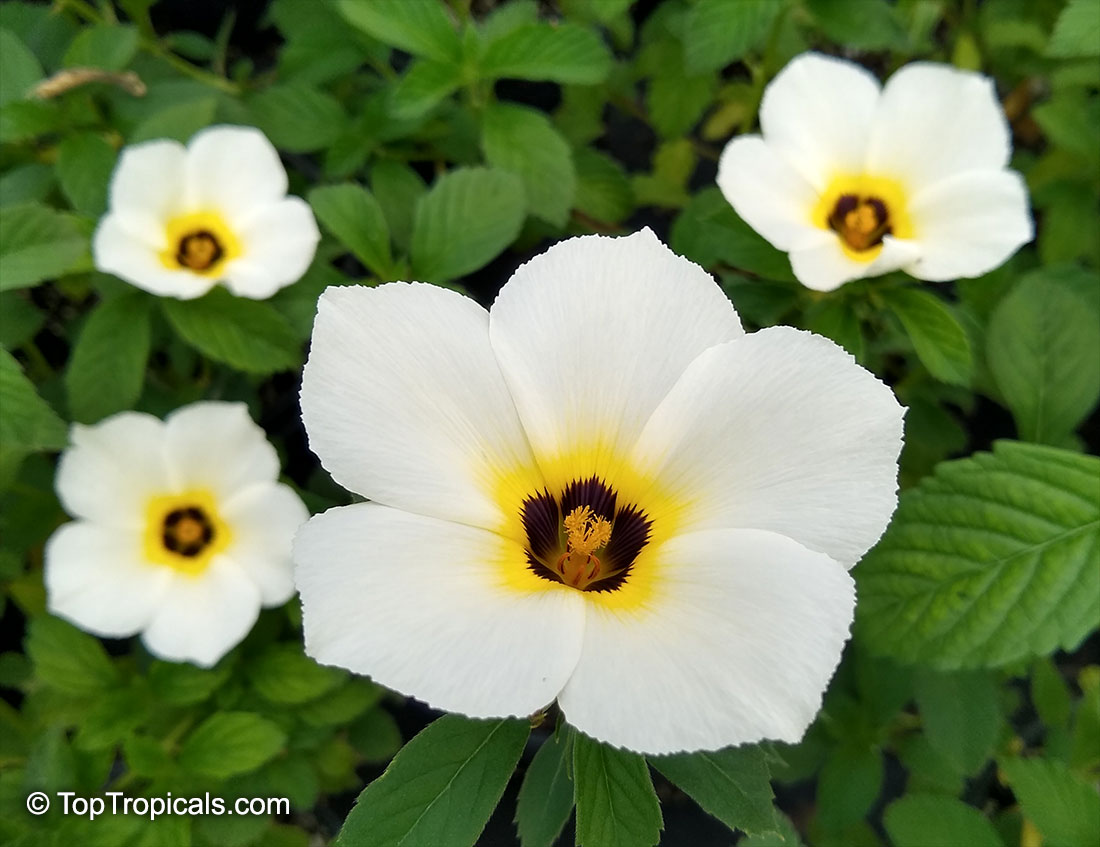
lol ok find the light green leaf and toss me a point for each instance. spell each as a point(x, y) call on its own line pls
point(469, 216)
point(19, 69)
point(441, 788)
point(32, 182)
point(940, 340)
point(524, 142)
point(546, 796)
point(424, 84)
point(247, 334)
point(616, 804)
point(603, 189)
point(731, 784)
point(84, 164)
point(927, 820)
point(991, 560)
point(397, 188)
point(178, 122)
point(1063, 806)
point(182, 684)
point(107, 368)
point(567, 53)
point(28, 423)
point(420, 27)
point(36, 243)
point(351, 213)
point(284, 674)
point(860, 24)
point(961, 715)
point(677, 100)
point(298, 118)
point(1077, 32)
point(230, 743)
point(107, 46)
point(1050, 694)
point(850, 782)
point(718, 32)
point(1043, 350)
point(68, 659)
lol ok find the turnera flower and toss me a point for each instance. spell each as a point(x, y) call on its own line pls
point(854, 181)
point(183, 219)
point(601, 491)
point(182, 530)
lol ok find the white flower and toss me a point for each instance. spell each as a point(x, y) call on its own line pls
point(182, 530)
point(183, 219)
point(601, 491)
point(854, 180)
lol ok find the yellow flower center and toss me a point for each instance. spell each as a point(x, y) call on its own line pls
point(184, 531)
point(862, 210)
point(200, 242)
point(585, 533)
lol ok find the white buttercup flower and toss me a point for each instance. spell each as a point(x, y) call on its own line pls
point(182, 530)
point(601, 491)
point(854, 180)
point(183, 219)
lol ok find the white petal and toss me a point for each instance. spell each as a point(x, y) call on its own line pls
point(780, 431)
point(738, 646)
point(203, 617)
point(278, 242)
point(421, 605)
point(263, 519)
point(767, 193)
point(969, 224)
point(817, 114)
point(934, 121)
point(405, 404)
point(130, 255)
point(148, 187)
point(823, 265)
point(591, 334)
point(234, 169)
point(95, 577)
point(218, 447)
point(113, 468)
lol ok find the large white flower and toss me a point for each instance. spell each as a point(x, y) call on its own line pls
point(182, 530)
point(183, 219)
point(854, 180)
point(601, 491)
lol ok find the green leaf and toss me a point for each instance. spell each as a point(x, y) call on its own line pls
point(616, 804)
point(28, 423)
point(850, 782)
point(860, 24)
point(84, 164)
point(1043, 350)
point(182, 684)
point(398, 188)
point(524, 142)
point(961, 715)
point(836, 319)
point(926, 820)
point(718, 32)
point(1077, 32)
point(21, 320)
point(68, 659)
point(441, 788)
point(1064, 808)
point(351, 213)
point(469, 216)
point(26, 182)
point(106, 371)
point(940, 340)
point(603, 189)
point(19, 69)
point(991, 560)
point(424, 85)
point(247, 334)
point(284, 674)
point(230, 743)
point(107, 46)
point(420, 27)
point(567, 53)
point(178, 122)
point(1050, 694)
point(376, 736)
point(341, 705)
point(677, 100)
point(546, 797)
point(298, 118)
point(36, 243)
point(731, 784)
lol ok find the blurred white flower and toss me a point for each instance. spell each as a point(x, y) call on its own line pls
point(182, 530)
point(183, 219)
point(601, 491)
point(854, 180)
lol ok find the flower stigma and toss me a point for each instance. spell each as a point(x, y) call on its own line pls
point(200, 242)
point(585, 533)
point(198, 250)
point(860, 221)
point(185, 531)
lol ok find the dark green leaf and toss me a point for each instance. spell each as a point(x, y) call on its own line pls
point(718, 32)
point(925, 820)
point(397, 188)
point(850, 783)
point(230, 743)
point(424, 85)
point(940, 340)
point(616, 804)
point(36, 243)
point(28, 423)
point(961, 715)
point(25, 182)
point(836, 318)
point(546, 796)
point(178, 122)
point(351, 213)
point(298, 118)
point(567, 53)
point(1063, 806)
point(420, 27)
point(284, 674)
point(861, 24)
point(182, 684)
point(1049, 693)
point(68, 659)
point(20, 319)
point(84, 164)
point(603, 189)
point(19, 69)
point(376, 736)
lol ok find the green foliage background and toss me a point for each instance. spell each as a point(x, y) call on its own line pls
point(446, 142)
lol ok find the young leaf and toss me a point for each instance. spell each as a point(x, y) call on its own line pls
point(961, 715)
point(107, 368)
point(467, 218)
point(940, 340)
point(567, 53)
point(230, 743)
point(616, 803)
point(718, 32)
point(424, 84)
point(546, 796)
point(84, 164)
point(732, 784)
point(989, 561)
point(351, 213)
point(926, 820)
point(420, 27)
point(247, 334)
point(36, 243)
point(68, 659)
point(441, 788)
point(524, 142)
point(1064, 807)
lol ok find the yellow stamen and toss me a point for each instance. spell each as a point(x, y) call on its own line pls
point(585, 532)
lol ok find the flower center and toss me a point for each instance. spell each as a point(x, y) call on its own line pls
point(199, 250)
point(187, 531)
point(860, 221)
point(184, 531)
point(199, 242)
point(580, 538)
point(862, 209)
